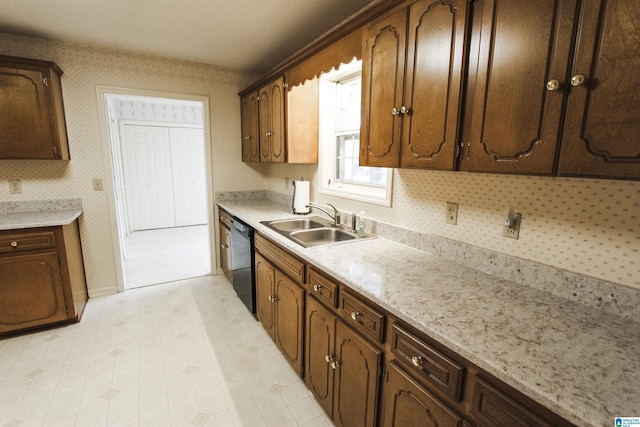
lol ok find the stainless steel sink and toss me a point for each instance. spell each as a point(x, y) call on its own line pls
point(313, 231)
point(321, 236)
point(296, 224)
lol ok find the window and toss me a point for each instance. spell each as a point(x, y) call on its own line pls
point(340, 173)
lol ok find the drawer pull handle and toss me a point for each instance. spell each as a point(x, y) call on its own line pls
point(355, 315)
point(417, 361)
point(14, 244)
point(316, 288)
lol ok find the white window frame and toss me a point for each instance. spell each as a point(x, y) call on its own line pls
point(376, 194)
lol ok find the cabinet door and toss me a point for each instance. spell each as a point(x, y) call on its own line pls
point(289, 319)
point(31, 291)
point(319, 353)
point(25, 130)
point(272, 130)
point(515, 119)
point(435, 55)
point(225, 251)
point(265, 285)
point(408, 404)
point(383, 62)
point(602, 125)
point(249, 125)
point(357, 372)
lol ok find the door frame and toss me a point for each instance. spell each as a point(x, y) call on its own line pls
point(118, 244)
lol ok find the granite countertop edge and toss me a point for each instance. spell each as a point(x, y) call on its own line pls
point(39, 213)
point(573, 359)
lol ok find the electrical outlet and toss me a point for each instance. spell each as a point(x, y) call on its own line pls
point(451, 213)
point(15, 186)
point(97, 184)
point(511, 226)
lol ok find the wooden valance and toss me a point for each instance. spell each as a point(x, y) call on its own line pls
point(341, 51)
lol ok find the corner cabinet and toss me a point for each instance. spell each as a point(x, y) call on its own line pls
point(411, 103)
point(43, 280)
point(32, 121)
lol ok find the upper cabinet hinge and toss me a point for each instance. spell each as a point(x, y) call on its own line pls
point(55, 151)
point(468, 149)
point(45, 81)
point(285, 85)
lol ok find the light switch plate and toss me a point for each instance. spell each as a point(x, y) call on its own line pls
point(97, 184)
point(451, 213)
point(15, 186)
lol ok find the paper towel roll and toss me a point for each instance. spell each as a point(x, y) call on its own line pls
point(301, 197)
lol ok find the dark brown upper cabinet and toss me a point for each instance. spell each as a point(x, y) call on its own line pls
point(520, 50)
point(412, 80)
point(32, 121)
point(601, 135)
point(250, 128)
point(271, 112)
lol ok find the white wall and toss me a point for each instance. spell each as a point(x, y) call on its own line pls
point(87, 67)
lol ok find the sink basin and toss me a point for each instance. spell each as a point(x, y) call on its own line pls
point(313, 231)
point(320, 236)
point(295, 224)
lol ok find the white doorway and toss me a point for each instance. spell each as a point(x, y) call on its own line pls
point(160, 189)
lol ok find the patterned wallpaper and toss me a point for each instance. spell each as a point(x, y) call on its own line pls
point(587, 226)
point(86, 67)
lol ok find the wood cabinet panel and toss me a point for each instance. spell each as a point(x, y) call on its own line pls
point(250, 128)
point(427, 363)
point(362, 317)
point(357, 376)
point(290, 265)
point(32, 291)
point(383, 62)
point(265, 283)
point(225, 251)
point(408, 404)
point(323, 288)
point(32, 122)
point(436, 44)
point(319, 349)
point(302, 120)
point(602, 127)
point(289, 319)
point(272, 130)
point(515, 120)
point(20, 241)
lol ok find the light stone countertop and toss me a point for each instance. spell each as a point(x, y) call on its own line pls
point(578, 361)
point(31, 214)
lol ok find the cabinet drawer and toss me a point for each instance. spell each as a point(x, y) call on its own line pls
point(493, 407)
point(288, 264)
point(224, 217)
point(323, 288)
point(427, 363)
point(26, 241)
point(361, 316)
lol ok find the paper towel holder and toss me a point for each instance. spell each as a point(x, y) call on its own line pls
point(305, 206)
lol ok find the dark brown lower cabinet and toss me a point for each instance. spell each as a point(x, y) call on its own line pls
point(280, 309)
point(343, 369)
point(42, 280)
point(409, 404)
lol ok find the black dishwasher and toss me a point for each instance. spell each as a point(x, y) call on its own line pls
point(242, 259)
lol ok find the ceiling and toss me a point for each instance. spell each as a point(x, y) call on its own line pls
point(249, 35)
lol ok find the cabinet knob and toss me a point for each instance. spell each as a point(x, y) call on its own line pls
point(14, 244)
point(335, 364)
point(268, 133)
point(405, 110)
point(416, 361)
point(553, 85)
point(328, 358)
point(273, 298)
point(223, 246)
point(247, 138)
point(578, 80)
point(355, 315)
point(316, 287)
point(395, 111)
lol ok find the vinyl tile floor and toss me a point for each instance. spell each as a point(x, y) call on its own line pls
point(185, 353)
point(166, 255)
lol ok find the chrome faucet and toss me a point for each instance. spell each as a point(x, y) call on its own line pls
point(336, 215)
